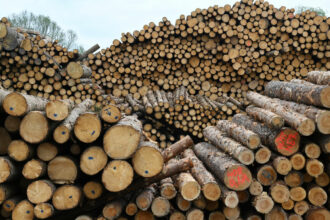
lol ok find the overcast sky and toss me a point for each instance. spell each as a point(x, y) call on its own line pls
point(102, 21)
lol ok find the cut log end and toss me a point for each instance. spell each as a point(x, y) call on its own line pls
point(253, 141)
point(211, 191)
point(66, 197)
point(57, 110)
point(18, 150)
point(246, 157)
point(160, 207)
point(298, 161)
point(238, 177)
point(325, 97)
point(323, 122)
point(15, 104)
point(40, 191)
point(287, 141)
point(33, 169)
point(5, 169)
point(23, 210)
point(61, 134)
point(306, 127)
point(46, 151)
point(62, 170)
point(131, 209)
point(195, 214)
point(318, 214)
point(262, 155)
point(231, 199)
point(267, 175)
point(93, 190)
point(87, 127)
point(255, 188)
point(110, 114)
point(190, 190)
point(93, 160)
point(276, 213)
point(43, 210)
point(317, 196)
point(34, 127)
point(280, 193)
point(314, 167)
point(117, 175)
point(217, 216)
point(263, 203)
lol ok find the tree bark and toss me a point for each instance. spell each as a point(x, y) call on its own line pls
point(263, 115)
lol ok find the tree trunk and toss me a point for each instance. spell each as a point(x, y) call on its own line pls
point(319, 77)
point(263, 115)
point(177, 148)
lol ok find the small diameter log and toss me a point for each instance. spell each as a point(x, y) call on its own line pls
point(301, 123)
point(295, 217)
point(117, 175)
point(317, 196)
point(8, 170)
point(210, 187)
point(93, 190)
point(160, 206)
point(322, 180)
point(254, 217)
point(239, 133)
point(277, 213)
point(269, 118)
point(233, 174)
point(40, 191)
point(314, 167)
point(12, 123)
point(34, 169)
point(229, 197)
point(110, 114)
point(188, 186)
point(294, 179)
point(279, 192)
point(34, 127)
point(177, 148)
point(86, 217)
point(285, 141)
point(266, 175)
point(298, 161)
point(231, 213)
point(262, 155)
point(148, 160)
point(66, 197)
point(217, 215)
point(195, 214)
point(318, 213)
point(319, 116)
point(58, 110)
point(93, 160)
point(282, 165)
point(301, 93)
point(312, 150)
point(89, 51)
point(144, 215)
point(167, 188)
point(76, 70)
point(46, 151)
point(255, 188)
point(263, 203)
point(5, 141)
point(131, 209)
point(113, 209)
point(301, 207)
point(23, 210)
point(18, 150)
point(182, 204)
point(43, 210)
point(62, 132)
point(62, 170)
point(297, 194)
point(17, 104)
point(200, 202)
point(121, 140)
point(87, 127)
point(228, 145)
point(319, 77)
point(324, 143)
point(145, 198)
point(288, 205)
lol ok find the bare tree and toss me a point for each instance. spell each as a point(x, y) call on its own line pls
point(318, 10)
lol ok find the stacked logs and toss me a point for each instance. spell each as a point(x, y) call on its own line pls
point(215, 51)
point(55, 153)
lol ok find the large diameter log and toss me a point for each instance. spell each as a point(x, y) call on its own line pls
point(34, 127)
point(233, 174)
point(210, 187)
point(239, 133)
point(87, 127)
point(269, 118)
point(266, 175)
point(160, 206)
point(34, 169)
point(67, 197)
point(177, 148)
point(148, 160)
point(121, 140)
point(286, 141)
point(40, 191)
point(301, 93)
point(77, 70)
point(320, 116)
point(62, 132)
point(279, 192)
point(319, 77)
point(301, 123)
point(58, 110)
point(19, 150)
point(93, 160)
point(314, 167)
point(62, 170)
point(8, 170)
point(17, 104)
point(11, 39)
point(117, 175)
point(317, 196)
point(188, 186)
point(23, 210)
point(228, 145)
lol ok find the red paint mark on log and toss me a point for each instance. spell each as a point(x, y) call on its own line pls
point(237, 177)
point(286, 142)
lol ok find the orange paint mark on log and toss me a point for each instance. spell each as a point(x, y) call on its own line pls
point(237, 177)
point(286, 142)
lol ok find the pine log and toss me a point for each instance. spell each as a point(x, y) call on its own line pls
point(40, 191)
point(34, 169)
point(18, 150)
point(228, 145)
point(323, 180)
point(314, 167)
point(282, 165)
point(62, 170)
point(58, 110)
point(66, 197)
point(317, 213)
point(232, 213)
point(93, 160)
point(301, 207)
point(77, 70)
point(298, 161)
point(194, 214)
point(87, 127)
point(183, 205)
point(312, 150)
point(301, 93)
point(285, 141)
point(294, 179)
point(62, 132)
point(210, 187)
point(47, 151)
point(43, 210)
point(122, 140)
point(93, 190)
point(269, 118)
point(34, 127)
point(266, 175)
point(239, 133)
point(229, 197)
point(262, 155)
point(301, 123)
point(233, 174)
point(255, 188)
point(23, 210)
